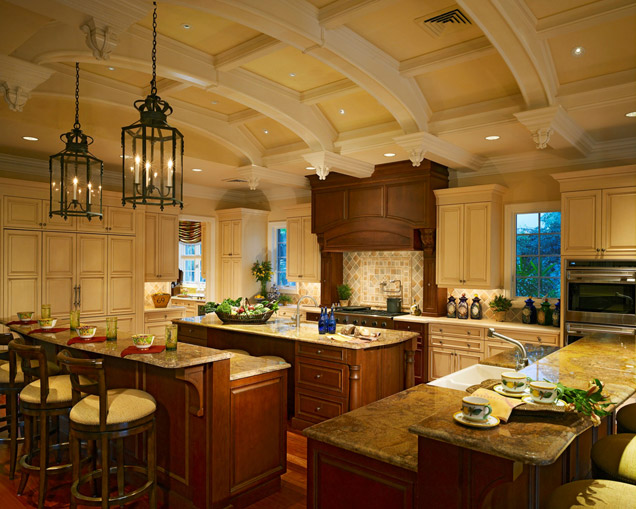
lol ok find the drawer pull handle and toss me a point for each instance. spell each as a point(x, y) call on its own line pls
point(318, 352)
point(441, 342)
point(539, 338)
point(319, 375)
point(318, 409)
point(468, 332)
point(440, 330)
point(468, 345)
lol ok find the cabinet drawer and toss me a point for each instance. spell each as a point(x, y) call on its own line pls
point(456, 343)
point(312, 317)
point(193, 332)
point(165, 316)
point(322, 376)
point(547, 338)
point(411, 326)
point(318, 407)
point(320, 352)
point(462, 331)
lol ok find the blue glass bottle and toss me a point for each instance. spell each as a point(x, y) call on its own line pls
point(322, 322)
point(331, 329)
point(529, 312)
point(556, 314)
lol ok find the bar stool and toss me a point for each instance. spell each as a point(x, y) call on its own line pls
point(593, 493)
point(614, 458)
point(41, 399)
point(626, 419)
point(106, 415)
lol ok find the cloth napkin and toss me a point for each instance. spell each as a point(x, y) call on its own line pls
point(133, 349)
point(501, 406)
point(94, 339)
point(20, 322)
point(48, 331)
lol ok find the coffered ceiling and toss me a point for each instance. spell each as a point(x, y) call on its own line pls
point(273, 88)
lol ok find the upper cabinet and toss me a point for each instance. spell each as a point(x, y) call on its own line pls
point(469, 236)
point(303, 253)
point(598, 210)
point(231, 238)
point(161, 247)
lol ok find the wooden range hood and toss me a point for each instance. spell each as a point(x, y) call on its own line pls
point(392, 210)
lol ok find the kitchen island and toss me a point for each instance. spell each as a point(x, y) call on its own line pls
point(221, 417)
point(408, 451)
point(331, 377)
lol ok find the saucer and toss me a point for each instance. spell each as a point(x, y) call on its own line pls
point(529, 400)
point(500, 390)
point(490, 422)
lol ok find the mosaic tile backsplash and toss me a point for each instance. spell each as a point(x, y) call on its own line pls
point(154, 287)
point(364, 271)
point(513, 314)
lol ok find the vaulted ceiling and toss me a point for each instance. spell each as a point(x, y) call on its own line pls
point(263, 90)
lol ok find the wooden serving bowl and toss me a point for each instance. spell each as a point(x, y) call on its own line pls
point(161, 300)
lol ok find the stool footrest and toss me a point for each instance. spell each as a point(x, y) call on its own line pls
point(97, 474)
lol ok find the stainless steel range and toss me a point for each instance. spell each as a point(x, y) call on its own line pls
point(366, 316)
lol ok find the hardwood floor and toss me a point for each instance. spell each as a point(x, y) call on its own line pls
point(292, 495)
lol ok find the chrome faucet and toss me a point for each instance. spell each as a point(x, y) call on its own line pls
point(521, 363)
point(298, 308)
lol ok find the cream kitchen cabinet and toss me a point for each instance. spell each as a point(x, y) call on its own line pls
point(469, 236)
point(155, 321)
point(22, 263)
point(452, 347)
point(231, 238)
point(118, 220)
point(161, 247)
point(303, 253)
point(33, 214)
point(231, 277)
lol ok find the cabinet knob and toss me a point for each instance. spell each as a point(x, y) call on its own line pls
point(598, 250)
point(602, 250)
point(429, 284)
point(468, 345)
point(318, 409)
point(408, 327)
point(318, 352)
point(539, 339)
point(441, 342)
point(319, 375)
point(300, 275)
point(468, 332)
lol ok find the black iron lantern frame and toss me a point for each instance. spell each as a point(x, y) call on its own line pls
point(152, 151)
point(75, 174)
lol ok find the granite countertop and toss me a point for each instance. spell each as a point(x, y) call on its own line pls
point(485, 323)
point(189, 299)
point(508, 359)
point(151, 309)
point(282, 328)
point(243, 366)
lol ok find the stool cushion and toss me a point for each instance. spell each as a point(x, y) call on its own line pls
point(626, 418)
point(242, 352)
point(4, 373)
point(273, 358)
point(124, 405)
point(615, 455)
point(593, 493)
point(60, 391)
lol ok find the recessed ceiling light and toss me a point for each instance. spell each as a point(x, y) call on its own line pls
point(310, 168)
point(631, 114)
point(292, 74)
point(111, 68)
point(197, 169)
point(342, 112)
point(265, 131)
point(186, 26)
point(492, 138)
point(30, 138)
point(578, 51)
point(389, 154)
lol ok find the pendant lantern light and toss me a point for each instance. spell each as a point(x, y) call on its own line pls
point(152, 158)
point(76, 174)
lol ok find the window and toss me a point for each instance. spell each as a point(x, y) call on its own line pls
point(190, 264)
point(278, 250)
point(537, 259)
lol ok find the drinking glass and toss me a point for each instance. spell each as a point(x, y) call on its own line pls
point(75, 319)
point(171, 337)
point(46, 311)
point(111, 328)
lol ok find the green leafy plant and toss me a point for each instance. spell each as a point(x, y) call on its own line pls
point(500, 303)
point(590, 402)
point(344, 291)
point(262, 272)
point(285, 299)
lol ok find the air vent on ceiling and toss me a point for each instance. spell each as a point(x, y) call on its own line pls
point(235, 180)
point(442, 22)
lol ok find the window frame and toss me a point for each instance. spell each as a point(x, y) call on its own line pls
point(510, 249)
point(182, 256)
point(272, 248)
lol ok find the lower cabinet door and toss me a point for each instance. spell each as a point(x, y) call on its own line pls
point(157, 329)
point(465, 359)
point(441, 362)
point(496, 348)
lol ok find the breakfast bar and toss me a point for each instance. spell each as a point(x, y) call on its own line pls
point(220, 417)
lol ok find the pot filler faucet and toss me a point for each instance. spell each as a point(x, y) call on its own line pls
point(521, 363)
point(298, 308)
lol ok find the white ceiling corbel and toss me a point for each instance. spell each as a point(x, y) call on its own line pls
point(100, 38)
point(18, 78)
point(424, 145)
point(325, 161)
point(255, 174)
point(553, 127)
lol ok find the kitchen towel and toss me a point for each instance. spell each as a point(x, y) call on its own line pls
point(20, 322)
point(134, 349)
point(501, 406)
point(48, 331)
point(94, 339)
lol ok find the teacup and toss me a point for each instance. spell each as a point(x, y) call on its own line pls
point(25, 316)
point(512, 381)
point(476, 409)
point(543, 392)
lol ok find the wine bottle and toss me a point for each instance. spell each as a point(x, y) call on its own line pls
point(322, 322)
point(332, 323)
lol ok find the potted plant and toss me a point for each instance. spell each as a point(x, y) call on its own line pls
point(262, 272)
point(344, 292)
point(284, 299)
point(500, 305)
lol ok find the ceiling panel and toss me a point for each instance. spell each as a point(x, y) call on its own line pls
point(128, 76)
point(609, 48)
point(514, 138)
point(17, 25)
point(360, 110)
point(278, 66)
point(608, 121)
point(277, 135)
point(471, 82)
point(208, 100)
point(543, 8)
point(394, 30)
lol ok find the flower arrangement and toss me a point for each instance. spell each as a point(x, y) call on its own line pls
point(590, 402)
point(262, 272)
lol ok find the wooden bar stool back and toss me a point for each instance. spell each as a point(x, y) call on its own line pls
point(43, 397)
point(102, 416)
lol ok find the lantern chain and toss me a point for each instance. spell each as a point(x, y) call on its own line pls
point(153, 83)
point(76, 125)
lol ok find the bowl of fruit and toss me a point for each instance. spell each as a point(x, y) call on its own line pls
point(86, 331)
point(241, 311)
point(47, 323)
point(25, 316)
point(143, 340)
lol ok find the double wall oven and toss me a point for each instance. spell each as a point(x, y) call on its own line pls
point(600, 297)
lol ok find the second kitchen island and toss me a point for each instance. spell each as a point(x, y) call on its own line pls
point(330, 377)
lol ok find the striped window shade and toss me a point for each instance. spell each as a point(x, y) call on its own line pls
point(189, 232)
